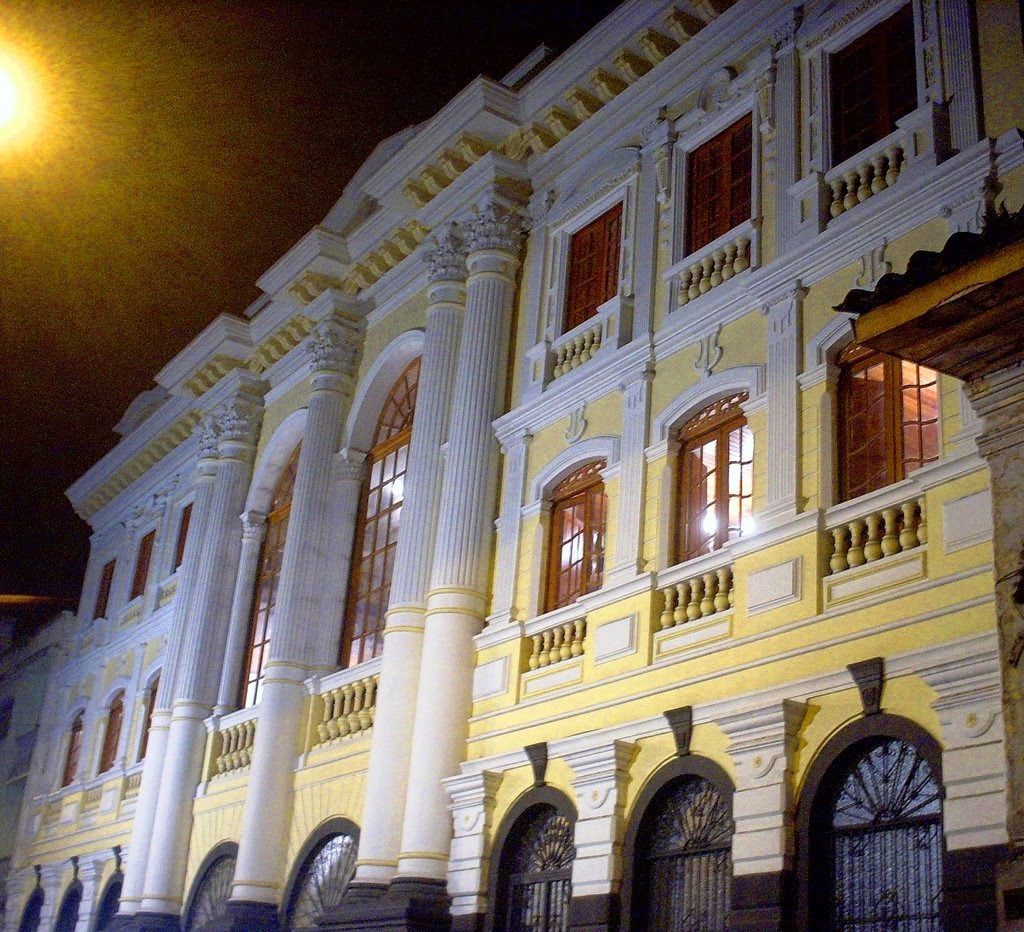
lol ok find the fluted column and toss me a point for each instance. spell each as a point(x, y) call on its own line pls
point(457, 600)
point(387, 780)
point(254, 528)
point(201, 655)
point(156, 743)
point(334, 349)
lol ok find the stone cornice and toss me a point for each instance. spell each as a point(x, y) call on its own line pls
point(223, 343)
point(319, 252)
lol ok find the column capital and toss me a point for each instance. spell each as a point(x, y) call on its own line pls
point(763, 741)
point(472, 795)
point(334, 347)
point(598, 774)
point(206, 431)
point(495, 227)
point(446, 256)
point(238, 421)
point(254, 525)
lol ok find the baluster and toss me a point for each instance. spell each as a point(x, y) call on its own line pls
point(891, 541)
point(908, 536)
point(322, 728)
point(742, 260)
point(838, 563)
point(588, 338)
point(577, 349)
point(864, 191)
point(729, 266)
point(878, 182)
point(696, 591)
point(683, 294)
point(237, 747)
point(219, 761)
point(364, 708)
point(667, 620)
point(724, 585)
point(357, 702)
point(346, 707)
point(559, 362)
point(250, 739)
point(706, 266)
point(565, 651)
point(579, 632)
point(596, 340)
point(894, 154)
point(332, 702)
point(873, 546)
point(855, 555)
point(696, 270)
point(836, 207)
point(707, 604)
point(850, 198)
point(718, 257)
point(555, 654)
point(922, 524)
point(679, 616)
point(545, 649)
point(535, 653)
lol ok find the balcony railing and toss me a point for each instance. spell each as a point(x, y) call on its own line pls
point(696, 597)
point(879, 533)
point(234, 737)
point(562, 642)
point(716, 263)
point(344, 703)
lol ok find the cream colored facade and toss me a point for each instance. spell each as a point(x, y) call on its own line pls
point(451, 244)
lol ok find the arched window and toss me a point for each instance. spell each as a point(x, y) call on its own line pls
point(870, 843)
point(579, 514)
point(112, 736)
point(110, 901)
point(683, 863)
point(380, 517)
point(889, 419)
point(534, 876)
point(323, 876)
point(212, 889)
point(715, 479)
point(147, 720)
point(67, 917)
point(264, 602)
point(33, 912)
point(74, 750)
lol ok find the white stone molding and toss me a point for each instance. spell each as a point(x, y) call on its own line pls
point(273, 459)
point(763, 742)
point(628, 545)
point(785, 316)
point(554, 471)
point(749, 379)
point(446, 256)
point(600, 776)
point(472, 807)
point(969, 705)
point(506, 567)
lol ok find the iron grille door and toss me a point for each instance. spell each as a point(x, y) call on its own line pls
point(539, 872)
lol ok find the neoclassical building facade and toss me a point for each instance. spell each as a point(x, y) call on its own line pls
point(540, 551)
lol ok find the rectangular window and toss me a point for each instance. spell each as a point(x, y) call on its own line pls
point(593, 267)
point(874, 83)
point(179, 546)
point(578, 518)
point(103, 592)
point(719, 189)
point(142, 565)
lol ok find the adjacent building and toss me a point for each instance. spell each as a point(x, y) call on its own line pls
point(541, 550)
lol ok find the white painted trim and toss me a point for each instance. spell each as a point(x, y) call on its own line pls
point(275, 456)
point(584, 451)
point(707, 391)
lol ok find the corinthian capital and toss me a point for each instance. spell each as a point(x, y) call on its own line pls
point(238, 419)
point(333, 347)
point(446, 257)
point(496, 227)
point(254, 523)
point(207, 432)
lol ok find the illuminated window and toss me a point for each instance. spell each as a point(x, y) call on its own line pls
point(74, 751)
point(268, 577)
point(593, 267)
point(142, 565)
point(889, 417)
point(112, 736)
point(103, 592)
point(179, 546)
point(719, 191)
point(579, 510)
point(148, 720)
point(380, 517)
point(715, 479)
point(874, 83)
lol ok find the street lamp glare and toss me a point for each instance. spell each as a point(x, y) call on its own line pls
point(16, 98)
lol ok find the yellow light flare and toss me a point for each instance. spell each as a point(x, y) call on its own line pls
point(19, 100)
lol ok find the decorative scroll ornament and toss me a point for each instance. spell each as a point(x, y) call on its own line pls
point(495, 227)
point(207, 431)
point(659, 137)
point(238, 420)
point(331, 348)
point(446, 257)
point(577, 426)
point(709, 353)
point(873, 265)
point(869, 675)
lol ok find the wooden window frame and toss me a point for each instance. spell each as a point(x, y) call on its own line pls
point(74, 752)
point(715, 422)
point(102, 604)
point(720, 152)
point(143, 560)
point(855, 359)
point(147, 718)
point(392, 433)
point(582, 486)
point(876, 44)
point(112, 733)
point(184, 522)
point(582, 298)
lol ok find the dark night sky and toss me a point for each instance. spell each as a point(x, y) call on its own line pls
point(186, 147)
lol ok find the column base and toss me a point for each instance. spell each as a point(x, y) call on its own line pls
point(152, 922)
point(407, 904)
point(759, 902)
point(1010, 891)
point(598, 912)
point(246, 916)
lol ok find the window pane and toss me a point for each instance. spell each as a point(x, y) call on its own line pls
point(719, 190)
point(865, 436)
point(593, 275)
point(576, 547)
point(919, 394)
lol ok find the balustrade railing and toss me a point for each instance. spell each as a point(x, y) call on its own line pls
point(698, 596)
point(574, 352)
point(234, 744)
point(882, 532)
point(851, 185)
point(716, 263)
point(559, 643)
point(348, 709)
point(91, 798)
point(132, 784)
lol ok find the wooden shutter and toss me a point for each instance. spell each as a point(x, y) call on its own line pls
point(103, 592)
point(179, 546)
point(576, 547)
point(112, 736)
point(142, 565)
point(719, 191)
point(593, 267)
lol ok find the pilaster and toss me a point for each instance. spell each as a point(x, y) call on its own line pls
point(506, 564)
point(472, 807)
point(654, 196)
